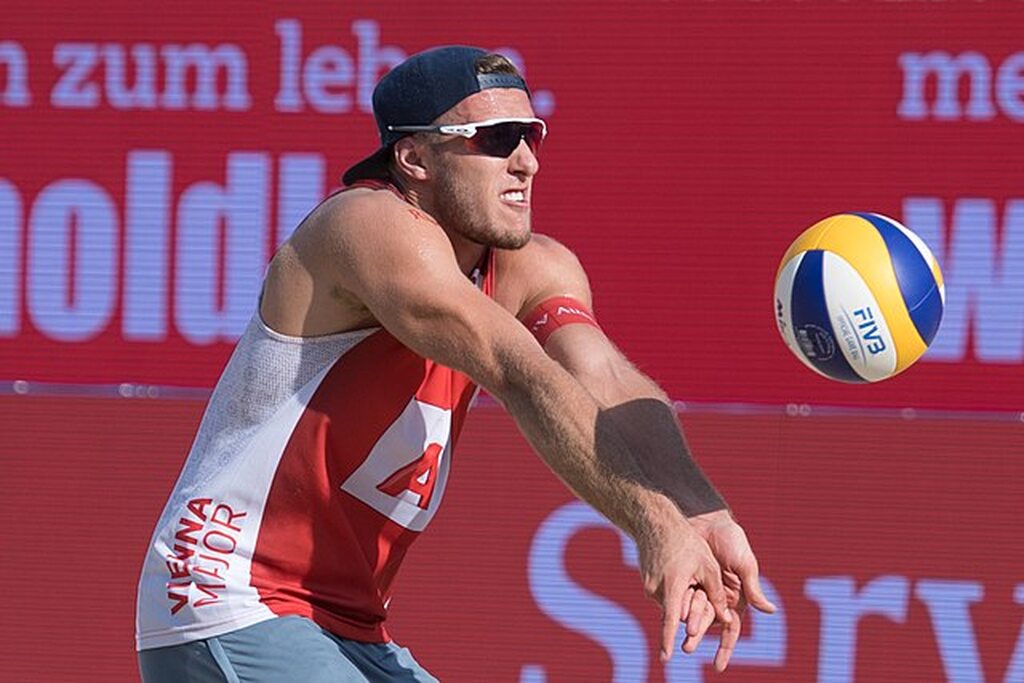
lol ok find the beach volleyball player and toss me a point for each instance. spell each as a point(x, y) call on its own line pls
point(326, 445)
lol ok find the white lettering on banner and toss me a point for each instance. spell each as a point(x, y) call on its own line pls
point(329, 68)
point(10, 255)
point(73, 281)
point(328, 79)
point(576, 608)
point(242, 206)
point(841, 608)
point(948, 70)
point(948, 604)
point(612, 626)
point(1015, 669)
point(374, 60)
point(71, 289)
point(76, 61)
point(143, 94)
point(300, 187)
point(841, 604)
point(323, 79)
point(147, 245)
point(15, 65)
point(1010, 86)
point(179, 59)
point(984, 276)
point(182, 64)
point(289, 33)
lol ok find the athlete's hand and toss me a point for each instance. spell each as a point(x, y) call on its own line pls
point(681, 574)
point(740, 581)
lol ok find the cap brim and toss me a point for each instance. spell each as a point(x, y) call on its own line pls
point(374, 166)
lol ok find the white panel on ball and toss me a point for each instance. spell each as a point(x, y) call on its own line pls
point(857, 321)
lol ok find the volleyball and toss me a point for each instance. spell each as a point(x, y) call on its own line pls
point(858, 297)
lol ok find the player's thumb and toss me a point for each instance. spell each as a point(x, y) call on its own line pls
point(754, 594)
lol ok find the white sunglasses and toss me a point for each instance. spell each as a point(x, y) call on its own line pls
point(493, 137)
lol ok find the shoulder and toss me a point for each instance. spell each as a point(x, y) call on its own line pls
point(362, 209)
point(542, 269)
point(362, 222)
point(546, 248)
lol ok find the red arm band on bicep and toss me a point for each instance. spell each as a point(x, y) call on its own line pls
point(556, 312)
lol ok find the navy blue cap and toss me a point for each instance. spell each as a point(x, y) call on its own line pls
point(419, 90)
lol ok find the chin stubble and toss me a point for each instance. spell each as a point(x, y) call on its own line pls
point(460, 214)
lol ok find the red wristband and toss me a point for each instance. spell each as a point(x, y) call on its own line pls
point(556, 312)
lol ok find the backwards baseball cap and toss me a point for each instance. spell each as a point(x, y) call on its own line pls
point(419, 90)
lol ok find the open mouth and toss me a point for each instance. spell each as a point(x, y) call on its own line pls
point(517, 197)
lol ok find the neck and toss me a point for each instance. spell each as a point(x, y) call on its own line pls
point(468, 254)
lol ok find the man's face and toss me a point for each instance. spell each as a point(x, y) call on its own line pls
point(485, 199)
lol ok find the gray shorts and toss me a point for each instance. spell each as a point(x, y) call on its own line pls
point(284, 649)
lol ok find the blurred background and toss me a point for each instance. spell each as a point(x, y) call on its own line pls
point(151, 160)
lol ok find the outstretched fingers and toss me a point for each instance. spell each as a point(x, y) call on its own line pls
point(730, 635)
point(697, 626)
point(698, 607)
point(691, 605)
point(671, 611)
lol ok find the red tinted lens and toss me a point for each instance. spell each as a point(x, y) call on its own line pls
point(501, 139)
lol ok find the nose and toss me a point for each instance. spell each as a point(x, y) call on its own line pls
point(523, 163)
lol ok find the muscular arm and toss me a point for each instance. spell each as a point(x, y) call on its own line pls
point(641, 413)
point(638, 408)
point(404, 270)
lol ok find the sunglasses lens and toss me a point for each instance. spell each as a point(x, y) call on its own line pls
point(501, 139)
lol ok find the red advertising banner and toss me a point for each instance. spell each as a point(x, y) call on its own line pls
point(152, 161)
point(889, 545)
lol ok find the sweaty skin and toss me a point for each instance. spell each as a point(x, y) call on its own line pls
point(367, 257)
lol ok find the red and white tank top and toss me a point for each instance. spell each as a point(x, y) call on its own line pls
point(317, 463)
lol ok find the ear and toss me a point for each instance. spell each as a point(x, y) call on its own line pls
point(411, 159)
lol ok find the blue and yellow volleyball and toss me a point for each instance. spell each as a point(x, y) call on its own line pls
point(858, 297)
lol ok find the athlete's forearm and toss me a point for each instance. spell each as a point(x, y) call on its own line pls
point(654, 435)
point(647, 421)
point(582, 445)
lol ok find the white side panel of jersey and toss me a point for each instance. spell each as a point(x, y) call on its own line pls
point(217, 587)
